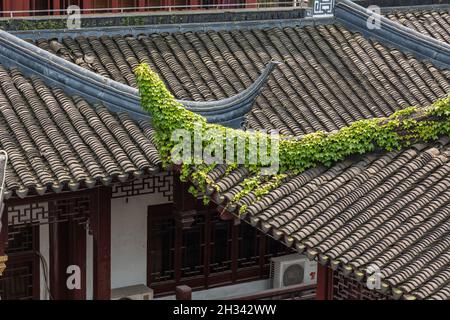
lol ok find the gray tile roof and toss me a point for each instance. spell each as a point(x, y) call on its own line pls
point(55, 141)
point(330, 77)
point(387, 210)
point(384, 209)
point(435, 24)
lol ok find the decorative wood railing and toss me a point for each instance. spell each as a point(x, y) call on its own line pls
point(295, 292)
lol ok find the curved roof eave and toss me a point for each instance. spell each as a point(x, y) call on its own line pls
point(118, 97)
point(356, 17)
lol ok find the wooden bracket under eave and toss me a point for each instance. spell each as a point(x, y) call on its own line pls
point(3, 260)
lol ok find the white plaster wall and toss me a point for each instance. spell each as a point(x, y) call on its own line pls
point(129, 238)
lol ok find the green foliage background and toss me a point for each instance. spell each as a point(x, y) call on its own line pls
point(400, 130)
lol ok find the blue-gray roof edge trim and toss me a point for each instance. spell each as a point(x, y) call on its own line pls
point(118, 97)
point(355, 18)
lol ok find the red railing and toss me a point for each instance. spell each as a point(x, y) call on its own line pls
point(248, 4)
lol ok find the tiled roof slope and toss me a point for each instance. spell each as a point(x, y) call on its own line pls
point(330, 76)
point(435, 24)
point(391, 211)
point(55, 141)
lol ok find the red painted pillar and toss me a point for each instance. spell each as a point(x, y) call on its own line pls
point(183, 200)
point(57, 6)
point(6, 7)
point(324, 283)
point(23, 5)
point(14, 5)
point(251, 4)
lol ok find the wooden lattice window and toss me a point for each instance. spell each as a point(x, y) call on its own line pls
point(21, 278)
point(249, 241)
point(193, 248)
point(220, 245)
point(201, 250)
point(161, 244)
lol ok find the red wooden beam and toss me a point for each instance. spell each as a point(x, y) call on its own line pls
point(251, 4)
point(15, 201)
point(56, 6)
point(7, 7)
point(22, 5)
point(141, 4)
point(115, 4)
point(324, 283)
point(101, 230)
point(57, 255)
point(87, 4)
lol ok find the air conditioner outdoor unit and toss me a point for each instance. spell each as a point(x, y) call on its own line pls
point(137, 292)
point(292, 269)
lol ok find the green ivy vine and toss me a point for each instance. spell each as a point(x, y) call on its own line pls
point(399, 130)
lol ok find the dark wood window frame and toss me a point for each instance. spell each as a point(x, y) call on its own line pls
point(237, 272)
point(99, 228)
point(19, 258)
